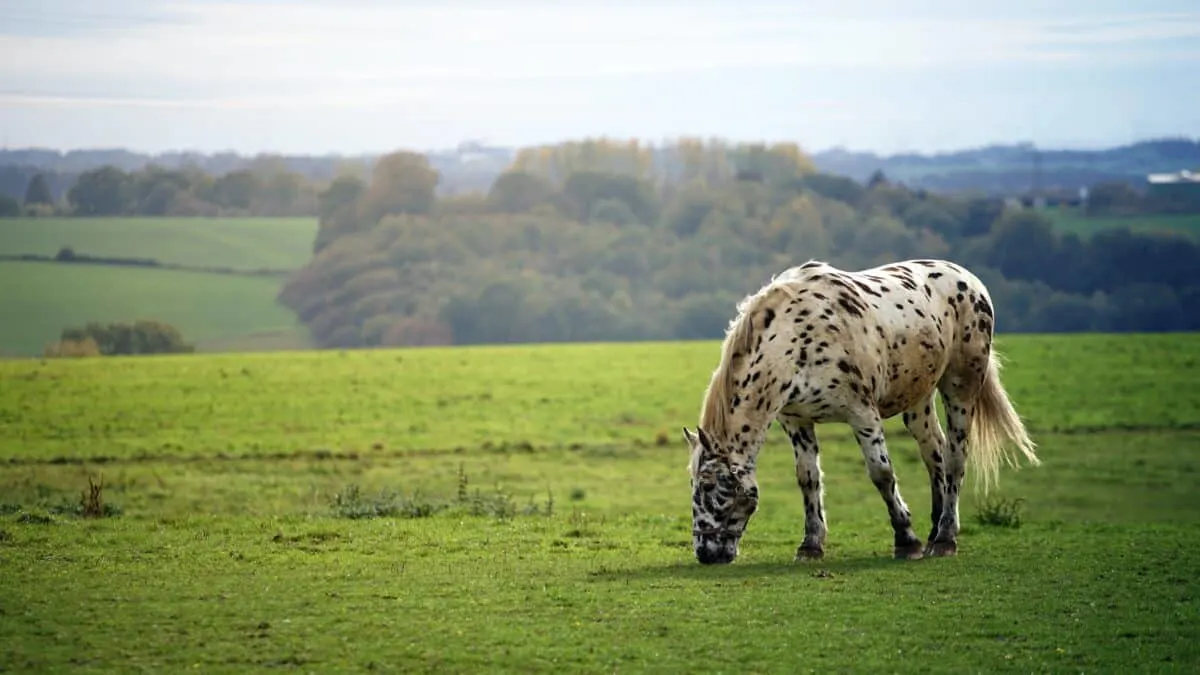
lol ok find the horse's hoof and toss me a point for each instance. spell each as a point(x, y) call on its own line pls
point(809, 553)
point(941, 549)
point(909, 552)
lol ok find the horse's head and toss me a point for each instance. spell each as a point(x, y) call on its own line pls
point(724, 496)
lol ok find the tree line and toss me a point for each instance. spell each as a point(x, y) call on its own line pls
point(263, 190)
point(599, 240)
point(1000, 170)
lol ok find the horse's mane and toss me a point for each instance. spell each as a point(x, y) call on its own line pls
point(739, 340)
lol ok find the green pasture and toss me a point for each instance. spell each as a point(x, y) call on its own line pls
point(1075, 221)
point(526, 509)
point(238, 243)
point(41, 299)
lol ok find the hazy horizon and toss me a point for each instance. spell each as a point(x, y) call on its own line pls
point(309, 77)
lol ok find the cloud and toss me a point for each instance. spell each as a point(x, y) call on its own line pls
point(300, 72)
point(323, 54)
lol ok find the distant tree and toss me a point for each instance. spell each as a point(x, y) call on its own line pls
point(9, 207)
point(584, 189)
point(1113, 199)
point(342, 194)
point(337, 209)
point(982, 212)
point(686, 215)
point(1024, 245)
point(101, 192)
point(518, 191)
point(236, 189)
point(840, 188)
point(935, 217)
point(401, 182)
point(38, 192)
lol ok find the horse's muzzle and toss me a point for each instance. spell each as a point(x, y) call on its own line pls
point(716, 550)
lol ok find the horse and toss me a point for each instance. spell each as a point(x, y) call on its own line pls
point(817, 344)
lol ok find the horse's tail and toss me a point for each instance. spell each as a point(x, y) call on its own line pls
point(995, 425)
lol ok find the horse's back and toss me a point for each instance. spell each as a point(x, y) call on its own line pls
point(893, 332)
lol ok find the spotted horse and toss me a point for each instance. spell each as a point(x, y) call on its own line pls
point(822, 345)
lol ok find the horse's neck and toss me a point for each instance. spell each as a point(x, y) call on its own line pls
point(747, 431)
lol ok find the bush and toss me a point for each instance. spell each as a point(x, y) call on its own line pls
point(72, 348)
point(140, 337)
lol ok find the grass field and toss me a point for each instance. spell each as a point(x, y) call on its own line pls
point(239, 243)
point(1072, 220)
point(217, 312)
point(243, 490)
point(205, 307)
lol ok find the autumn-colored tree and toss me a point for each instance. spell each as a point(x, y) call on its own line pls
point(401, 182)
point(557, 163)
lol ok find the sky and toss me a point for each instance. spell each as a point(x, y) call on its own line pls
point(353, 76)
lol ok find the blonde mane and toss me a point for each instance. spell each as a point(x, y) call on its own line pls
point(738, 343)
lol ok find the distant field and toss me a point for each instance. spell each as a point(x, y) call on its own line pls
point(526, 509)
point(40, 299)
point(240, 243)
point(1072, 220)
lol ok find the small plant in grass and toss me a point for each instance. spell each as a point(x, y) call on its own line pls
point(1001, 513)
point(90, 504)
point(352, 503)
point(91, 501)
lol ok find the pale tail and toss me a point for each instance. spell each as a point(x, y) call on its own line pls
point(996, 425)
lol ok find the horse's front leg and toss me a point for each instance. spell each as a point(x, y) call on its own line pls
point(808, 477)
point(869, 432)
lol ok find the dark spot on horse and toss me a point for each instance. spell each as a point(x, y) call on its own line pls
point(962, 285)
point(850, 306)
point(768, 317)
point(866, 289)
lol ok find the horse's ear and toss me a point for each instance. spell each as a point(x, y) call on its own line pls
point(691, 438)
point(705, 439)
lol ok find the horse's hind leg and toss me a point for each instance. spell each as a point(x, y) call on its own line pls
point(959, 394)
point(922, 422)
point(808, 477)
point(869, 432)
